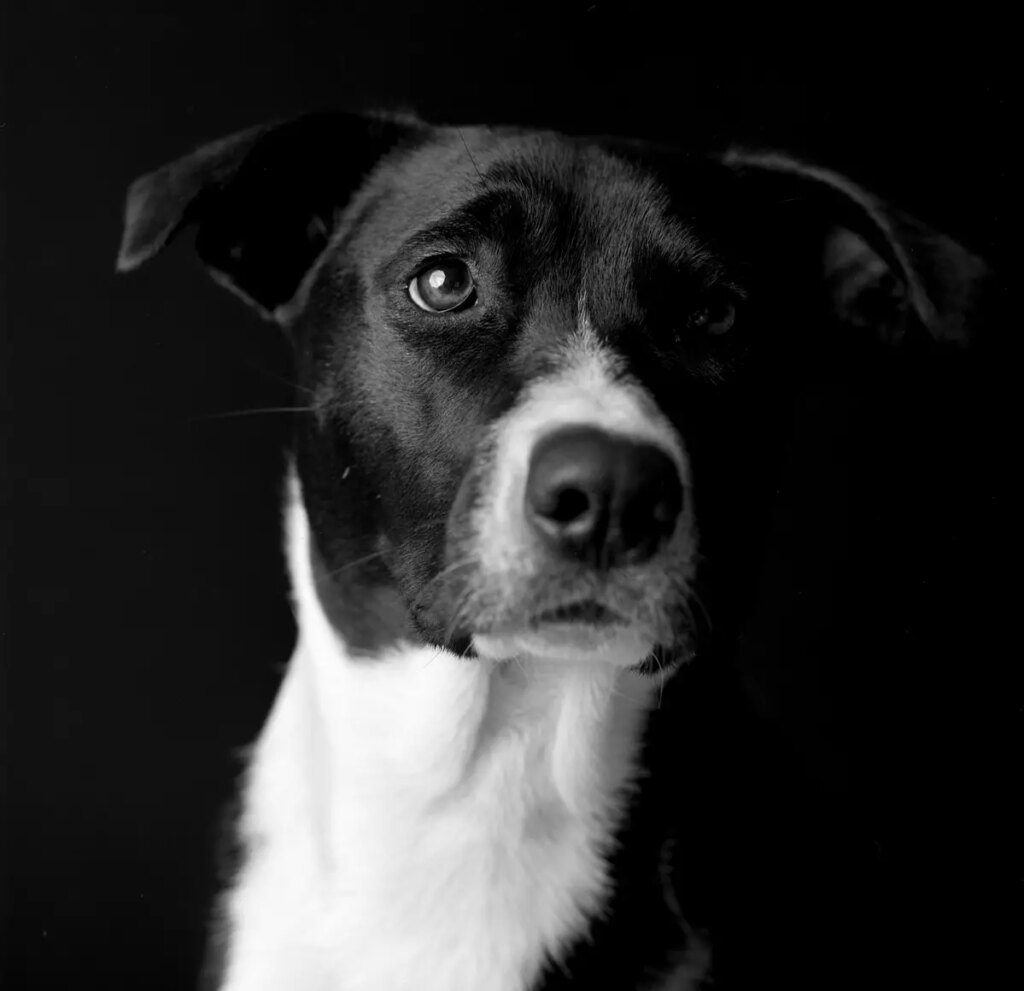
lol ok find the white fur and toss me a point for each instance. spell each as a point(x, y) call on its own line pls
point(423, 821)
point(585, 393)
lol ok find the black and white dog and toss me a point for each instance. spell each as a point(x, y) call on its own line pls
point(544, 376)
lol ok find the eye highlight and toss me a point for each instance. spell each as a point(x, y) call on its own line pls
point(715, 317)
point(443, 286)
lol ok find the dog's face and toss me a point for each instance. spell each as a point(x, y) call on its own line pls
point(538, 369)
point(494, 346)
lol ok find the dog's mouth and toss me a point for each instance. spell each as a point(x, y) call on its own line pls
point(587, 612)
point(580, 629)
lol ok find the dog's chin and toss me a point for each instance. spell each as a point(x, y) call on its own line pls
point(615, 644)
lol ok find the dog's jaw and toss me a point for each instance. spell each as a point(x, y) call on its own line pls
point(424, 820)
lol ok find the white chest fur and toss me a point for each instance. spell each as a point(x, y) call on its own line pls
point(423, 821)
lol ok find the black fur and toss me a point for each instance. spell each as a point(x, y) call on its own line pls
point(391, 454)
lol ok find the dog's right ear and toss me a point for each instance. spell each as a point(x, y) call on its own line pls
point(883, 269)
point(265, 201)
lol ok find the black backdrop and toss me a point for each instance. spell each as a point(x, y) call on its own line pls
point(145, 618)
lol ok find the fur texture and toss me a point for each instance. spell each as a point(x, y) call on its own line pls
point(424, 820)
point(454, 790)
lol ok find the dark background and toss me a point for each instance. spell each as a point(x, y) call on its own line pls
point(145, 620)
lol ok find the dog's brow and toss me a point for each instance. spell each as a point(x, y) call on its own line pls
point(454, 230)
point(519, 178)
point(447, 237)
point(481, 218)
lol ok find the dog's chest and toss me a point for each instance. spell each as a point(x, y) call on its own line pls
point(420, 821)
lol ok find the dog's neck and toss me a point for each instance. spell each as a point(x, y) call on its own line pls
point(446, 717)
point(448, 802)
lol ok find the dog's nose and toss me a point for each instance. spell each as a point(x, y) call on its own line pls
point(602, 498)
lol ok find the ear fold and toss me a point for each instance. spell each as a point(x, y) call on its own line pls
point(265, 201)
point(884, 270)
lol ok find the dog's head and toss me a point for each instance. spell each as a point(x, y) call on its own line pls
point(537, 366)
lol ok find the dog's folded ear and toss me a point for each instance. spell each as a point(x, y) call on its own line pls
point(265, 201)
point(884, 271)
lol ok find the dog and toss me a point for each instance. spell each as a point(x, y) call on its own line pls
point(544, 375)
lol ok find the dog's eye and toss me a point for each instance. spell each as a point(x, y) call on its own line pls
point(443, 286)
point(715, 317)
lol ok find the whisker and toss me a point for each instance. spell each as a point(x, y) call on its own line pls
point(355, 564)
point(668, 888)
point(456, 617)
point(266, 372)
point(703, 610)
point(424, 525)
point(233, 413)
point(429, 523)
point(470, 154)
point(458, 614)
point(448, 570)
point(653, 656)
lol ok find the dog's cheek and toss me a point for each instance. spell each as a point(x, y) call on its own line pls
point(448, 590)
point(446, 444)
point(462, 586)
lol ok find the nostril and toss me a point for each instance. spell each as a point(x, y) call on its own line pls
point(569, 505)
point(668, 505)
point(664, 512)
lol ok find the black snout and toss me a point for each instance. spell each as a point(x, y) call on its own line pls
point(601, 498)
